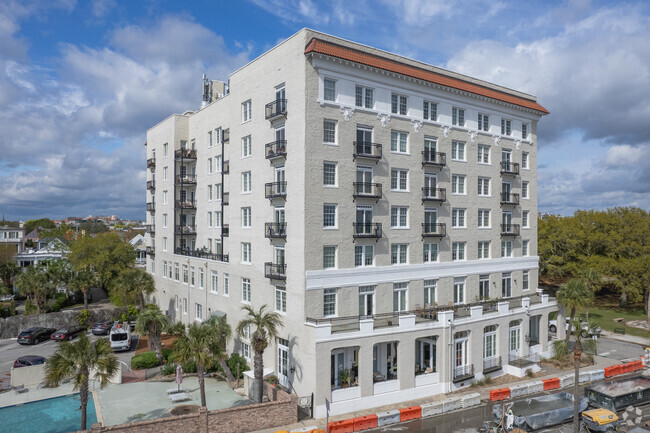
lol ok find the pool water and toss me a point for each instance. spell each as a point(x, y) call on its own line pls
point(54, 415)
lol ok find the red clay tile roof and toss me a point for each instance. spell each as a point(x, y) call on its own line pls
point(322, 47)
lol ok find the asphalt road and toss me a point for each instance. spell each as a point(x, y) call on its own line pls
point(619, 350)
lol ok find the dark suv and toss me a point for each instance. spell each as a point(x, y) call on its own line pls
point(34, 335)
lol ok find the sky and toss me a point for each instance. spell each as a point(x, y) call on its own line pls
point(82, 81)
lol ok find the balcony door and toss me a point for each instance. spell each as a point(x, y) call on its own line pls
point(506, 190)
point(514, 340)
point(506, 219)
point(431, 183)
point(280, 97)
point(280, 179)
point(279, 215)
point(283, 362)
point(364, 140)
point(460, 352)
point(366, 301)
point(364, 180)
point(506, 157)
point(430, 220)
point(279, 257)
point(279, 134)
point(364, 220)
point(338, 365)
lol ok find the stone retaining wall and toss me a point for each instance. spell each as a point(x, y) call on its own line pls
point(10, 327)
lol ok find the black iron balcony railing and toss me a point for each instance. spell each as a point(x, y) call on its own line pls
point(202, 254)
point(434, 159)
point(226, 135)
point(510, 198)
point(225, 230)
point(151, 163)
point(366, 230)
point(275, 190)
point(188, 179)
point(185, 230)
point(366, 190)
point(275, 271)
point(434, 230)
point(151, 207)
point(225, 198)
point(365, 149)
point(276, 149)
point(185, 204)
point(511, 168)
point(509, 229)
point(185, 154)
point(226, 167)
point(434, 194)
point(150, 250)
point(151, 228)
point(151, 185)
point(275, 230)
point(275, 109)
point(491, 364)
point(463, 372)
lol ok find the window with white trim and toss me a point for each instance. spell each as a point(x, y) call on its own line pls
point(483, 250)
point(399, 217)
point(164, 197)
point(246, 350)
point(364, 255)
point(201, 279)
point(399, 254)
point(459, 291)
point(164, 268)
point(484, 218)
point(399, 142)
point(329, 256)
point(329, 215)
point(165, 149)
point(398, 179)
point(164, 221)
point(364, 97)
point(209, 219)
point(524, 190)
point(399, 296)
point(483, 122)
point(524, 219)
point(524, 160)
point(214, 282)
point(245, 289)
point(430, 111)
point(506, 127)
point(506, 285)
point(246, 181)
point(210, 196)
point(430, 253)
point(246, 252)
point(483, 154)
point(525, 283)
point(246, 217)
point(246, 111)
point(246, 146)
point(209, 165)
point(398, 104)
point(458, 218)
point(280, 299)
point(484, 186)
point(524, 131)
point(177, 303)
point(457, 116)
point(524, 248)
point(164, 244)
point(217, 219)
point(458, 150)
point(329, 173)
point(490, 342)
point(217, 191)
point(458, 251)
point(226, 285)
point(484, 287)
point(329, 131)
point(185, 275)
point(199, 312)
point(329, 302)
point(430, 292)
point(329, 89)
point(164, 173)
point(506, 248)
point(458, 184)
point(184, 305)
point(218, 164)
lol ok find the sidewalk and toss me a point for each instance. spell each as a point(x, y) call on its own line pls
point(645, 342)
point(599, 363)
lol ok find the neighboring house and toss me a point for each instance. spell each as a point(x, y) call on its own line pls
point(46, 249)
point(384, 207)
point(139, 243)
point(13, 236)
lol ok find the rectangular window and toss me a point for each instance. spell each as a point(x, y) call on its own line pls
point(199, 312)
point(484, 186)
point(458, 218)
point(506, 248)
point(398, 217)
point(217, 191)
point(164, 244)
point(398, 142)
point(458, 184)
point(164, 268)
point(329, 215)
point(398, 254)
point(165, 149)
point(246, 147)
point(483, 250)
point(524, 190)
point(524, 219)
point(217, 219)
point(280, 299)
point(364, 255)
point(329, 131)
point(484, 218)
point(246, 111)
point(209, 219)
point(457, 251)
point(246, 181)
point(398, 179)
point(366, 300)
point(506, 127)
point(164, 221)
point(164, 173)
point(525, 285)
point(506, 285)
point(483, 154)
point(457, 116)
point(459, 291)
point(329, 174)
point(245, 290)
point(214, 282)
point(490, 342)
point(226, 285)
point(430, 111)
point(329, 90)
point(210, 193)
point(458, 150)
point(185, 274)
point(218, 164)
point(329, 257)
point(364, 97)
point(164, 197)
point(184, 305)
point(176, 303)
point(246, 217)
point(209, 138)
point(245, 350)
point(524, 248)
point(483, 122)
point(398, 104)
point(429, 293)
point(484, 287)
point(399, 296)
point(524, 160)
point(209, 165)
point(329, 302)
point(430, 253)
point(246, 252)
point(524, 131)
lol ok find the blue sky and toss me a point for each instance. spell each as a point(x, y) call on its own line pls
point(82, 81)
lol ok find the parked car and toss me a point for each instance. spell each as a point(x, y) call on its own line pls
point(102, 328)
point(29, 360)
point(120, 337)
point(34, 335)
point(552, 326)
point(67, 333)
point(5, 298)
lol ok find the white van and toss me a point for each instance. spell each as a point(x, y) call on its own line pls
point(120, 337)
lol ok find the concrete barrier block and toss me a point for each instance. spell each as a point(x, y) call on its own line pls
point(535, 387)
point(451, 403)
point(388, 417)
point(518, 390)
point(585, 376)
point(470, 400)
point(597, 374)
point(433, 408)
point(567, 380)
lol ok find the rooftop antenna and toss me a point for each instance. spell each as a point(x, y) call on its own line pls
point(207, 91)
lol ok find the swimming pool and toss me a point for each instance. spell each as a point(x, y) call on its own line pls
point(54, 415)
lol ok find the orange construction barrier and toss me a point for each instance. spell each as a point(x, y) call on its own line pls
point(626, 368)
point(409, 413)
point(345, 426)
point(365, 422)
point(553, 383)
point(499, 394)
point(635, 365)
point(612, 371)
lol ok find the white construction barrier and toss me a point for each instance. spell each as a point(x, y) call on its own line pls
point(585, 376)
point(470, 400)
point(429, 409)
point(596, 375)
point(451, 403)
point(388, 417)
point(535, 387)
point(518, 390)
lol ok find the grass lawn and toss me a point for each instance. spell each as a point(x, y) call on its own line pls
point(605, 314)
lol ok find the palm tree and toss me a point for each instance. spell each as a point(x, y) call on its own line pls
point(132, 284)
point(79, 361)
point(34, 284)
point(562, 351)
point(152, 322)
point(8, 270)
point(222, 333)
point(196, 345)
point(266, 327)
point(81, 281)
point(574, 294)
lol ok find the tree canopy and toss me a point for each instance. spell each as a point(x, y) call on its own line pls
point(46, 223)
point(106, 254)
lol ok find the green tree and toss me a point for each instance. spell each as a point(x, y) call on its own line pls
point(266, 327)
point(81, 361)
point(8, 270)
point(132, 284)
point(46, 223)
point(572, 295)
point(92, 227)
point(196, 345)
point(152, 322)
point(82, 280)
point(35, 284)
point(222, 332)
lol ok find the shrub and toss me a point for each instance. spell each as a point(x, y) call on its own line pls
point(530, 373)
point(83, 317)
point(176, 329)
point(60, 301)
point(30, 308)
point(144, 360)
point(232, 362)
point(189, 367)
point(166, 353)
point(7, 309)
point(169, 368)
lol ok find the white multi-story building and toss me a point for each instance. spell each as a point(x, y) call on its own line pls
point(384, 207)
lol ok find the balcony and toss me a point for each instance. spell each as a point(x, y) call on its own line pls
point(225, 230)
point(184, 204)
point(491, 364)
point(151, 207)
point(433, 159)
point(366, 230)
point(275, 230)
point(463, 372)
point(225, 198)
point(366, 190)
point(151, 163)
point(185, 230)
point(225, 167)
point(510, 168)
point(438, 195)
point(509, 229)
point(275, 271)
point(275, 190)
point(188, 179)
point(181, 154)
point(276, 149)
point(150, 251)
point(202, 254)
point(364, 149)
point(275, 109)
point(509, 199)
point(151, 185)
point(151, 228)
point(434, 230)
point(226, 135)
